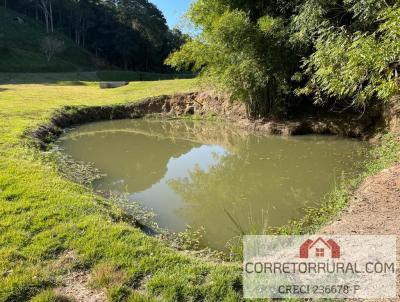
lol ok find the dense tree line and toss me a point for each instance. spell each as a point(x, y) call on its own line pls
point(268, 53)
point(131, 34)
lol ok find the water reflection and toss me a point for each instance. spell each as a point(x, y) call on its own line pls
point(213, 175)
point(161, 196)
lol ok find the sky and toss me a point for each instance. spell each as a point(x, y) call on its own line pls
point(172, 9)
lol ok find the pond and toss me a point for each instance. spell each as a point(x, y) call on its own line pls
point(213, 175)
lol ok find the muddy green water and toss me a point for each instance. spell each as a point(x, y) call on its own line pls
point(213, 175)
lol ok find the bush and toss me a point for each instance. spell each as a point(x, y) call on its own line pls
point(51, 46)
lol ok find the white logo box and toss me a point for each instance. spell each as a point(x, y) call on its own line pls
point(319, 266)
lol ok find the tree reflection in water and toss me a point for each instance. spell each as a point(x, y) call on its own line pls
point(213, 174)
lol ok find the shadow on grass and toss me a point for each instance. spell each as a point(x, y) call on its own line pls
point(67, 83)
point(64, 78)
point(78, 78)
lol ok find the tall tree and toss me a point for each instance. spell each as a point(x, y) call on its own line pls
point(47, 9)
point(242, 49)
point(127, 33)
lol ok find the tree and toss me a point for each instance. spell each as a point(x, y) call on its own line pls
point(130, 34)
point(268, 53)
point(240, 51)
point(146, 19)
point(353, 62)
point(52, 46)
point(47, 9)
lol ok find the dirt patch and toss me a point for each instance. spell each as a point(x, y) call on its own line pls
point(65, 261)
point(377, 197)
point(74, 285)
point(375, 206)
point(374, 209)
point(76, 288)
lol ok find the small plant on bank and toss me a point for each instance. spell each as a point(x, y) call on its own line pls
point(189, 239)
point(77, 171)
point(119, 293)
point(105, 275)
point(385, 155)
point(52, 46)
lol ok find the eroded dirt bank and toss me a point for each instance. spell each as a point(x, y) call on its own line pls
point(315, 122)
point(203, 104)
point(373, 210)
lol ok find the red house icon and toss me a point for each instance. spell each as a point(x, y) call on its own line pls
point(320, 249)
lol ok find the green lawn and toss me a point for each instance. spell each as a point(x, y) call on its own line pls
point(43, 216)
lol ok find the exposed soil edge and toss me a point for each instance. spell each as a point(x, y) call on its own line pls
point(378, 197)
point(204, 105)
point(70, 116)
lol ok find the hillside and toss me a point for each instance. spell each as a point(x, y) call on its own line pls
point(20, 47)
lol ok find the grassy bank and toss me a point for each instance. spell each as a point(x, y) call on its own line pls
point(45, 218)
point(50, 226)
point(20, 47)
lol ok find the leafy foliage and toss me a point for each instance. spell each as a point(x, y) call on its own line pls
point(357, 67)
point(239, 54)
point(338, 51)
